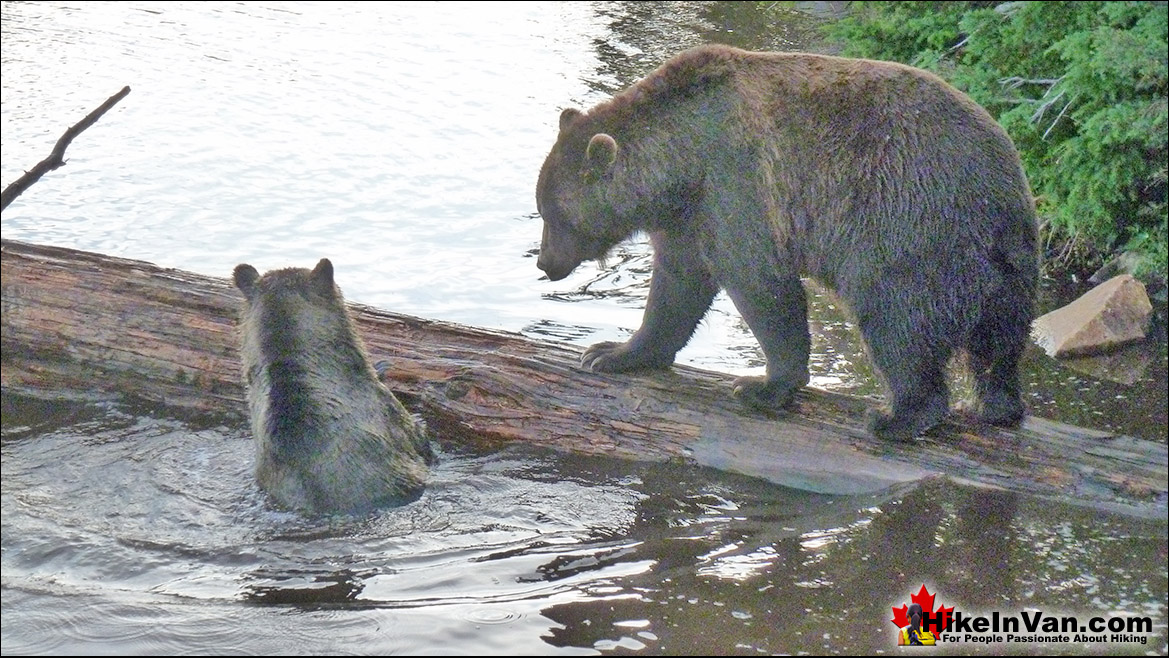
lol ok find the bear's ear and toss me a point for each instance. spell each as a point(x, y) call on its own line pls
point(322, 277)
point(568, 116)
point(245, 277)
point(601, 152)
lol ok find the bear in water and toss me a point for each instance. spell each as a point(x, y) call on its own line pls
point(330, 437)
point(878, 180)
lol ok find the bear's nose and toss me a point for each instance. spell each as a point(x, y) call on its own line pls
point(554, 272)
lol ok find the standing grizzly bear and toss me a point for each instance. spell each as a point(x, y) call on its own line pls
point(879, 180)
point(330, 437)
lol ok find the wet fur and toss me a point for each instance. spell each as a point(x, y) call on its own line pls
point(747, 170)
point(330, 437)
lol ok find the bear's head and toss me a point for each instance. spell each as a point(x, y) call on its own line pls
point(315, 283)
point(574, 196)
point(282, 301)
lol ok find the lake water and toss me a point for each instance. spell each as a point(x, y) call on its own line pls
point(402, 141)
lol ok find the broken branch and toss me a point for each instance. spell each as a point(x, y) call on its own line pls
point(57, 157)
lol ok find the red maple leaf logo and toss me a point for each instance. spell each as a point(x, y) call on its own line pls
point(926, 601)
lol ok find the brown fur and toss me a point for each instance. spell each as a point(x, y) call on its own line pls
point(748, 169)
point(330, 437)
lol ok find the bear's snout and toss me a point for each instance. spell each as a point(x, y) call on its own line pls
point(559, 254)
point(555, 271)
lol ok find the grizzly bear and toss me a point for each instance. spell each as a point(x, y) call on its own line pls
point(747, 170)
point(330, 437)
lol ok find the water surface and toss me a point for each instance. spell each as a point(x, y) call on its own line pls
point(126, 532)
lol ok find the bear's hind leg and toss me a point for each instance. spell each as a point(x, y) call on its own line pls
point(913, 411)
point(915, 375)
point(995, 346)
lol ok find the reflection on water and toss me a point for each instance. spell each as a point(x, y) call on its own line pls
point(124, 532)
point(403, 140)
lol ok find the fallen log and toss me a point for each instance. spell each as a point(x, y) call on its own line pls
point(82, 323)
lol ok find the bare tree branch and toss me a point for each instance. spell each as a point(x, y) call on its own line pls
point(57, 157)
point(1057, 118)
point(1044, 105)
point(1015, 82)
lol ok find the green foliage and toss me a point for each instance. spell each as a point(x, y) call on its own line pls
point(1079, 86)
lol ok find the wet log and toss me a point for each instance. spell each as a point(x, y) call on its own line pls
point(84, 324)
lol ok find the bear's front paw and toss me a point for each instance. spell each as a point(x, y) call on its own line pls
point(763, 393)
point(618, 357)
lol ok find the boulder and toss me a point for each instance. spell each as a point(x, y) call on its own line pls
point(1115, 312)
